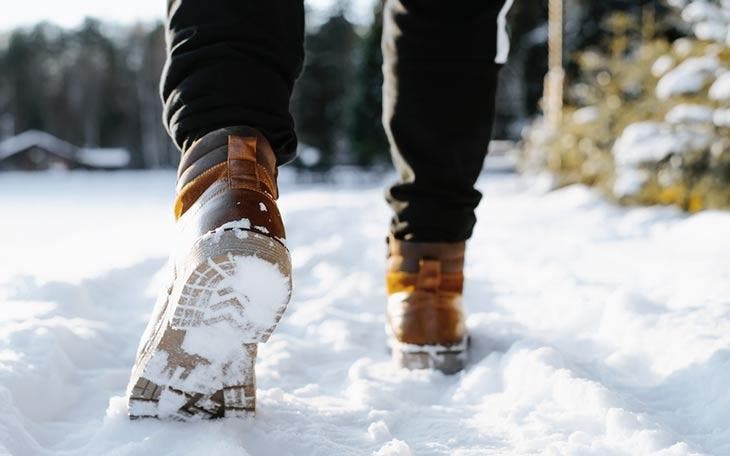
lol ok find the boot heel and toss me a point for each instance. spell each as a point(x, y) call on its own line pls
point(447, 359)
point(239, 397)
point(237, 276)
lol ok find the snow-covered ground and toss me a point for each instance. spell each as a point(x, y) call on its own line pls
point(596, 330)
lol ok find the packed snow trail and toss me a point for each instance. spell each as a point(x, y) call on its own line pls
point(596, 329)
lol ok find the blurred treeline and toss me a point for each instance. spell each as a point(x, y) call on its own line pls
point(97, 86)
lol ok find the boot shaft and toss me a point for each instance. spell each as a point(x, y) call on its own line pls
point(229, 176)
point(429, 266)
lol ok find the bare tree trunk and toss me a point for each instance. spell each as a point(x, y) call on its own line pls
point(553, 99)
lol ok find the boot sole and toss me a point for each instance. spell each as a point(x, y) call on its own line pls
point(449, 359)
point(199, 360)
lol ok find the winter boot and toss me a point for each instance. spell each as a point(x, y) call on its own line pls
point(424, 319)
point(230, 284)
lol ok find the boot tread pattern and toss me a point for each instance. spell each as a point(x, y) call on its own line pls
point(165, 370)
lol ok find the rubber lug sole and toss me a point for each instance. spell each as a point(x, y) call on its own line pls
point(449, 359)
point(199, 358)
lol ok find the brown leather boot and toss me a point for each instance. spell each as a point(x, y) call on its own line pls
point(424, 319)
point(230, 284)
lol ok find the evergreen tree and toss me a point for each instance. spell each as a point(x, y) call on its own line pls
point(323, 94)
point(92, 77)
point(369, 144)
point(27, 76)
point(147, 57)
point(93, 86)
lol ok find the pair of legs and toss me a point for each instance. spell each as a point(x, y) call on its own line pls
point(235, 62)
point(232, 65)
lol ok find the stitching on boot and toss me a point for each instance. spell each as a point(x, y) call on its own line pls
point(429, 274)
point(242, 169)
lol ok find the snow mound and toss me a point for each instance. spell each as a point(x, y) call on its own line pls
point(689, 113)
point(700, 10)
point(711, 31)
point(585, 115)
point(721, 117)
point(720, 89)
point(629, 181)
point(661, 65)
point(650, 142)
point(688, 77)
point(710, 19)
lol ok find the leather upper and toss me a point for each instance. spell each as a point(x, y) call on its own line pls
point(424, 284)
point(237, 184)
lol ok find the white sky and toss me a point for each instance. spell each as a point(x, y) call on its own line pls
point(70, 13)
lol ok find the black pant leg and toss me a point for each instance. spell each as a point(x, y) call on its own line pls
point(230, 63)
point(440, 78)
